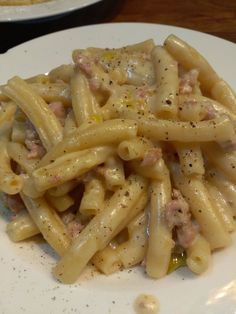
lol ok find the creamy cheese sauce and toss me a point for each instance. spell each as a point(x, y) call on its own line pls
point(146, 304)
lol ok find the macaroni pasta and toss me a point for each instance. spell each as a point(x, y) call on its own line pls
point(125, 157)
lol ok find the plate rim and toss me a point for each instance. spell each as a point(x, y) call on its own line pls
point(28, 42)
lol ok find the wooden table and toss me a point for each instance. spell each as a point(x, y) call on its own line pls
point(216, 17)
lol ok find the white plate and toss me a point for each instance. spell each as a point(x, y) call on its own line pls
point(26, 282)
point(41, 10)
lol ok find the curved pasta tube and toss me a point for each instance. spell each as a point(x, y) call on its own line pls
point(199, 255)
point(106, 133)
point(225, 186)
point(42, 117)
point(60, 203)
point(132, 252)
point(167, 82)
point(160, 241)
point(48, 222)
point(18, 132)
point(63, 72)
point(114, 173)
point(127, 254)
point(190, 58)
point(224, 94)
point(29, 188)
point(70, 124)
point(21, 228)
point(222, 160)
point(40, 78)
point(93, 200)
point(134, 148)
point(196, 194)
point(222, 208)
point(142, 47)
point(200, 107)
point(63, 189)
point(69, 166)
point(190, 158)
point(84, 104)
point(10, 182)
point(7, 111)
point(218, 129)
point(18, 153)
point(155, 171)
point(51, 92)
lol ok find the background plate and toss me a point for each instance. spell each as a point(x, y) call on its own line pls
point(25, 269)
point(42, 10)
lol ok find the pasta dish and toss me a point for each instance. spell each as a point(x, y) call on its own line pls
point(124, 157)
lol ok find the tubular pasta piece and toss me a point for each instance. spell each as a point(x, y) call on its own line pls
point(167, 82)
point(93, 200)
point(195, 193)
point(48, 222)
point(199, 255)
point(44, 120)
point(224, 94)
point(106, 133)
point(69, 166)
point(60, 203)
point(160, 241)
point(190, 158)
point(218, 129)
point(10, 182)
point(53, 92)
point(21, 228)
point(190, 58)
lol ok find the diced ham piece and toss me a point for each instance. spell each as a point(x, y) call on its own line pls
point(188, 81)
point(151, 157)
point(13, 202)
point(84, 63)
point(142, 91)
point(74, 228)
point(33, 142)
point(178, 217)
point(59, 111)
point(67, 217)
point(177, 211)
point(94, 84)
point(96, 81)
point(210, 112)
point(186, 235)
point(35, 150)
point(99, 170)
point(73, 225)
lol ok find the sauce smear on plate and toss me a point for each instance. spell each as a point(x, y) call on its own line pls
point(146, 304)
